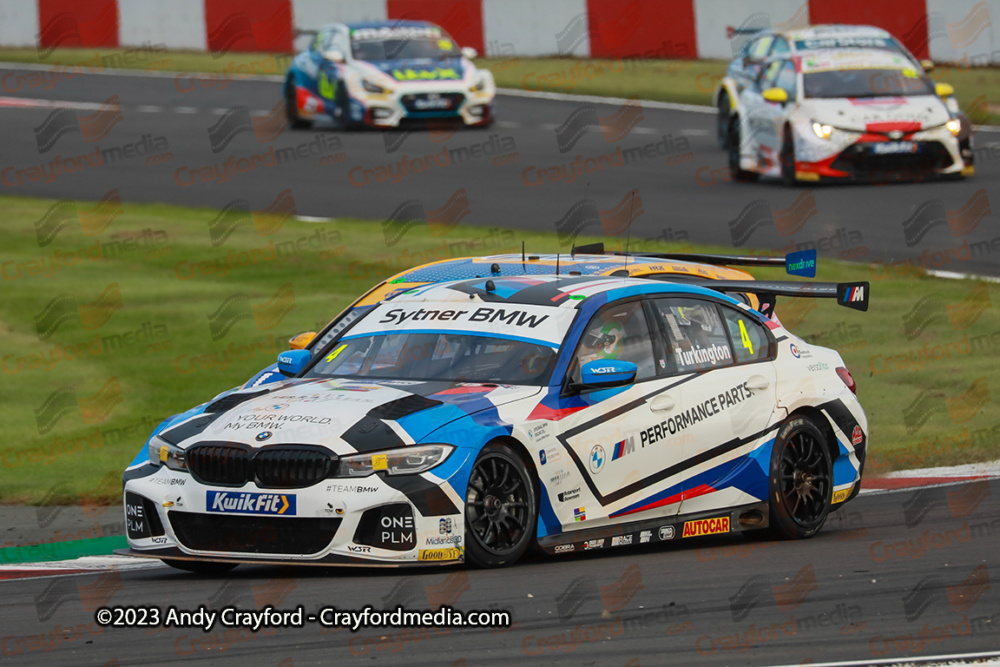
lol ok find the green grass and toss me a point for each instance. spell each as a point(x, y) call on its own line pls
point(685, 81)
point(80, 460)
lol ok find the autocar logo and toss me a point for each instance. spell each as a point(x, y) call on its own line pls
point(597, 459)
point(666, 532)
point(263, 435)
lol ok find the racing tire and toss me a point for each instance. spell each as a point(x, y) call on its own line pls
point(800, 483)
point(722, 121)
point(501, 508)
point(200, 566)
point(737, 173)
point(292, 110)
point(787, 158)
point(343, 104)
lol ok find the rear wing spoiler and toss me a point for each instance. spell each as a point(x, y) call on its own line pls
point(849, 295)
point(801, 263)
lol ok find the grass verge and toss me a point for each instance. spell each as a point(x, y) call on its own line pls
point(685, 81)
point(112, 322)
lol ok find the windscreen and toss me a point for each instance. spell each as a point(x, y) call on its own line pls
point(402, 43)
point(440, 355)
point(866, 83)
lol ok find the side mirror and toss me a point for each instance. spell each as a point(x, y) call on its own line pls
point(301, 341)
point(469, 52)
point(779, 95)
point(335, 55)
point(928, 65)
point(604, 373)
point(944, 90)
point(292, 362)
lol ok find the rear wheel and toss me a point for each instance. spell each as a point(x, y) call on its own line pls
point(738, 174)
point(292, 109)
point(501, 508)
point(788, 159)
point(200, 566)
point(722, 120)
point(801, 480)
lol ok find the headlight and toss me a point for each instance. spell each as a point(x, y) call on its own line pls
point(373, 87)
point(162, 452)
point(954, 126)
point(403, 461)
point(822, 131)
point(480, 85)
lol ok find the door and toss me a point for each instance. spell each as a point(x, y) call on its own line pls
point(726, 409)
point(614, 438)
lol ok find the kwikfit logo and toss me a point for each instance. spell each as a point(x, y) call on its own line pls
point(245, 502)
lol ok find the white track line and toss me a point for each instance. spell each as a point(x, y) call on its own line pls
point(944, 659)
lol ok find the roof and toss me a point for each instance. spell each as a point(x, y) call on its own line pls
point(552, 291)
point(545, 264)
point(362, 25)
point(858, 59)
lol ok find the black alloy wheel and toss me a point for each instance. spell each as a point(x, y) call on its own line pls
point(501, 508)
point(801, 480)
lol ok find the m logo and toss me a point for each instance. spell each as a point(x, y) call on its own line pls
point(853, 295)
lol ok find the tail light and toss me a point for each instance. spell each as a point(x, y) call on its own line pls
point(845, 375)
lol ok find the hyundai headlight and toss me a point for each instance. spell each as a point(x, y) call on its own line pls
point(822, 131)
point(162, 452)
point(954, 126)
point(402, 461)
point(373, 87)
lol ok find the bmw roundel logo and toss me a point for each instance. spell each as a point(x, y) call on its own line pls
point(597, 458)
point(263, 435)
point(795, 350)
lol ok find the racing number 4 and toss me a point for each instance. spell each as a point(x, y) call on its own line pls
point(745, 337)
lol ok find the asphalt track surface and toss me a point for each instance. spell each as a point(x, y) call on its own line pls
point(892, 575)
point(688, 198)
point(898, 574)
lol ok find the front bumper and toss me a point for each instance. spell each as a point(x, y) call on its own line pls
point(405, 104)
point(855, 156)
point(364, 521)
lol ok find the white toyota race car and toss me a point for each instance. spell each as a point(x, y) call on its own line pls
point(386, 73)
point(861, 114)
point(465, 421)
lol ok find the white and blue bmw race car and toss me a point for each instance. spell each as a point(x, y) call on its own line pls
point(384, 74)
point(465, 421)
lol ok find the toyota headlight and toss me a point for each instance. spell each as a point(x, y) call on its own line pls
point(162, 452)
point(478, 86)
point(402, 461)
point(822, 131)
point(373, 87)
point(954, 126)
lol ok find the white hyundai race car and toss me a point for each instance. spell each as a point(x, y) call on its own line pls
point(862, 114)
point(468, 420)
point(385, 73)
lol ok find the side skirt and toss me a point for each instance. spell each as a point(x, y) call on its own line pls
point(665, 529)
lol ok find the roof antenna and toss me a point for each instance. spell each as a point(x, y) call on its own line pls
point(628, 237)
point(522, 252)
point(557, 265)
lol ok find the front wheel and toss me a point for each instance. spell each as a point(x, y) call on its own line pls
point(788, 159)
point(735, 141)
point(501, 508)
point(801, 480)
point(722, 120)
point(295, 121)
